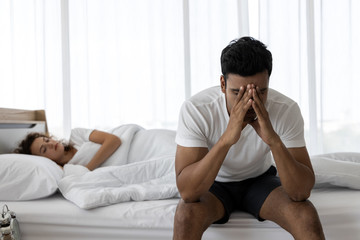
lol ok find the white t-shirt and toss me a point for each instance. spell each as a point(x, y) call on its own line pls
point(204, 118)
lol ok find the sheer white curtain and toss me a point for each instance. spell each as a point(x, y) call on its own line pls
point(135, 61)
point(127, 62)
point(30, 58)
point(315, 51)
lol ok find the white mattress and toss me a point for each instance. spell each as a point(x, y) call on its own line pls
point(58, 219)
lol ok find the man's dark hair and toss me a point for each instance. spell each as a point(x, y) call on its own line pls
point(245, 56)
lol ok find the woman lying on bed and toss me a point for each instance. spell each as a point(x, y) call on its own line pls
point(62, 153)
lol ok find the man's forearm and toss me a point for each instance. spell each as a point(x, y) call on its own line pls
point(194, 180)
point(296, 178)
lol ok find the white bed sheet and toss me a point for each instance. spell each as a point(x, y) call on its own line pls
point(58, 219)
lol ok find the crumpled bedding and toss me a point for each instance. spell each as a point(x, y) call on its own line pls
point(339, 169)
point(147, 180)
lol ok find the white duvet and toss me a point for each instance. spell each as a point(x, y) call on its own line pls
point(149, 174)
point(147, 180)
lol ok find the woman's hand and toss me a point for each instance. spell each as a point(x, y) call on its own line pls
point(109, 143)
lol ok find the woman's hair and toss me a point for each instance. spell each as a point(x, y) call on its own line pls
point(25, 145)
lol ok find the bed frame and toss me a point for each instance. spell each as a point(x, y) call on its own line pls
point(16, 123)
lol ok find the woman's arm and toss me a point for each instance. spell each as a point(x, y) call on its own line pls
point(109, 143)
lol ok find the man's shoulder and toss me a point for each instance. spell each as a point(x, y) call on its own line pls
point(280, 106)
point(277, 98)
point(207, 96)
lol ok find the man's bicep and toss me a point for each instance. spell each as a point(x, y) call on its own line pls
point(302, 156)
point(186, 156)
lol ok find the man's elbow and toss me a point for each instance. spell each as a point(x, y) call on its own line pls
point(189, 198)
point(189, 195)
point(302, 192)
point(300, 196)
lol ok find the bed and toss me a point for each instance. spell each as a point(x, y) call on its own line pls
point(49, 215)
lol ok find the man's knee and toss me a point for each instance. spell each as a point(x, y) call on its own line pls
point(186, 213)
point(190, 221)
point(306, 218)
point(305, 212)
point(183, 212)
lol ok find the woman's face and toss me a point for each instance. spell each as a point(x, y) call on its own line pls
point(48, 147)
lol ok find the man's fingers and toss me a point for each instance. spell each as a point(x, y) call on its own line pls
point(245, 107)
point(242, 106)
point(243, 103)
point(257, 105)
point(240, 94)
point(247, 95)
point(256, 109)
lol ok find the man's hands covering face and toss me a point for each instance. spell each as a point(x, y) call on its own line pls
point(241, 105)
point(248, 108)
point(262, 124)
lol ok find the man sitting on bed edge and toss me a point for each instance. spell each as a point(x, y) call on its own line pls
point(225, 138)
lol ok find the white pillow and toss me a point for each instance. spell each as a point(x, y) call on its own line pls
point(340, 169)
point(27, 177)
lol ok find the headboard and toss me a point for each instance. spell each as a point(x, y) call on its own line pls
point(15, 124)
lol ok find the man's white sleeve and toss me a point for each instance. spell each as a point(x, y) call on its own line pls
point(190, 132)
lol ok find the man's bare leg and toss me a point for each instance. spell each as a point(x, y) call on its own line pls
point(192, 219)
point(298, 218)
